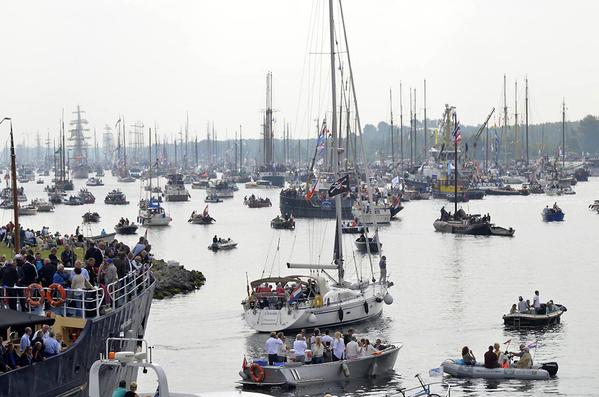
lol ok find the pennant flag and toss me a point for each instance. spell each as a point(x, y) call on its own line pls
point(205, 213)
point(341, 185)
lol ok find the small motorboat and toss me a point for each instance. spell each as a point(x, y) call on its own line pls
point(353, 228)
point(122, 228)
point(280, 222)
point(222, 244)
point(29, 209)
point(87, 196)
point(259, 184)
point(102, 237)
point(538, 372)
point(295, 374)
point(43, 206)
point(213, 198)
point(372, 245)
point(116, 197)
point(257, 202)
point(91, 217)
point(201, 219)
point(501, 231)
point(201, 184)
point(73, 200)
point(554, 214)
point(552, 313)
point(94, 181)
point(40, 181)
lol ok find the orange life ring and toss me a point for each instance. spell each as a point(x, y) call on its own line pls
point(256, 373)
point(34, 301)
point(51, 296)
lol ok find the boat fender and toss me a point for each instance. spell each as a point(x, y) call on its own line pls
point(388, 298)
point(256, 373)
point(340, 314)
point(56, 301)
point(378, 299)
point(312, 318)
point(34, 301)
point(345, 370)
point(366, 309)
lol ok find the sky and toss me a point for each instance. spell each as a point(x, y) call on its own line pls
point(153, 61)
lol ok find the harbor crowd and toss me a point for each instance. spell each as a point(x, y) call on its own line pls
point(32, 348)
point(319, 347)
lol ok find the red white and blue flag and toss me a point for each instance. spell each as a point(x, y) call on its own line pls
point(457, 132)
point(295, 294)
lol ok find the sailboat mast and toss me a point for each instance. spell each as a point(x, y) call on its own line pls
point(150, 160)
point(401, 127)
point(15, 201)
point(411, 128)
point(563, 134)
point(516, 129)
point(124, 147)
point(455, 158)
point(338, 235)
point(425, 129)
point(504, 133)
point(392, 131)
point(526, 114)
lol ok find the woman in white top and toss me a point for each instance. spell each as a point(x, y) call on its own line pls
point(317, 351)
point(300, 347)
point(366, 349)
point(338, 347)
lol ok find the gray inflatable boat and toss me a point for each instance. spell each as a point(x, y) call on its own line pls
point(538, 372)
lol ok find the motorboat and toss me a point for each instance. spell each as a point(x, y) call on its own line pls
point(73, 200)
point(222, 188)
point(280, 222)
point(116, 197)
point(94, 181)
point(102, 237)
point(594, 206)
point(29, 209)
point(472, 224)
point(200, 184)
point(175, 189)
point(40, 181)
point(538, 372)
point(43, 206)
point(353, 228)
point(211, 198)
point(126, 228)
point(548, 314)
point(91, 217)
point(295, 374)
point(151, 213)
point(368, 215)
point(368, 244)
point(501, 231)
point(259, 184)
point(87, 196)
point(257, 202)
point(201, 219)
point(222, 244)
point(553, 214)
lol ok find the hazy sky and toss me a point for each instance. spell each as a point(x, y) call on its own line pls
point(153, 60)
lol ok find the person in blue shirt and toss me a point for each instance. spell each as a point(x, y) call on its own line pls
point(51, 345)
point(121, 390)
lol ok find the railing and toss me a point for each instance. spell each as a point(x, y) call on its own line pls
point(80, 303)
point(128, 287)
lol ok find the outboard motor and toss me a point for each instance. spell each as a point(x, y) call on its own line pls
point(551, 367)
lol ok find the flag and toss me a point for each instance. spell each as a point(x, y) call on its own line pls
point(295, 294)
point(341, 185)
point(457, 133)
point(395, 181)
point(205, 213)
point(244, 364)
point(311, 190)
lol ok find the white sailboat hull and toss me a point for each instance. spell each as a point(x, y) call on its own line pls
point(289, 318)
point(381, 215)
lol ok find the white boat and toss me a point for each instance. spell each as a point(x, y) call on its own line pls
point(94, 181)
point(43, 206)
point(153, 215)
point(29, 209)
point(259, 184)
point(368, 215)
point(175, 189)
point(295, 374)
point(538, 372)
point(222, 245)
point(220, 188)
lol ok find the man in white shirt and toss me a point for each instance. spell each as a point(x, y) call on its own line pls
point(536, 302)
point(300, 347)
point(272, 347)
point(352, 349)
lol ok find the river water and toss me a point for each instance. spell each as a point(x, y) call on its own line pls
point(449, 291)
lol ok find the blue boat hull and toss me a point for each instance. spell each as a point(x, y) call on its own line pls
point(550, 216)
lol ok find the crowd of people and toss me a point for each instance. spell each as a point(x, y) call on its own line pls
point(32, 348)
point(322, 347)
point(102, 264)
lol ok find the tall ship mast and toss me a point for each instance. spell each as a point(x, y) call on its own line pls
point(79, 165)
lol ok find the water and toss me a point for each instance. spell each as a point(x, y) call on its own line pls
point(449, 291)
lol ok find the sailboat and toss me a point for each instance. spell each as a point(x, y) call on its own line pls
point(318, 299)
point(460, 222)
point(151, 213)
point(123, 173)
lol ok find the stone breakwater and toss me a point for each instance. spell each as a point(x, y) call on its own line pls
point(173, 279)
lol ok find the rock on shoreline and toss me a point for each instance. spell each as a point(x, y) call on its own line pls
point(173, 279)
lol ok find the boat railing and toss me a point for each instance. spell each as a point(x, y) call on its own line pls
point(129, 286)
point(80, 303)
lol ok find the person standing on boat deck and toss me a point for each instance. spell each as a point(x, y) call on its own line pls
point(536, 302)
point(491, 359)
point(522, 306)
point(352, 349)
point(272, 347)
point(327, 341)
point(317, 351)
point(383, 268)
point(300, 348)
point(348, 336)
point(282, 350)
point(25, 339)
point(338, 347)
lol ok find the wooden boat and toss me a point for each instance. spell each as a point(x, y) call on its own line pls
point(126, 229)
point(533, 319)
point(539, 372)
point(296, 374)
point(281, 223)
point(501, 231)
point(104, 237)
point(223, 245)
point(91, 217)
point(552, 214)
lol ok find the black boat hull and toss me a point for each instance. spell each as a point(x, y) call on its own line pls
point(299, 207)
